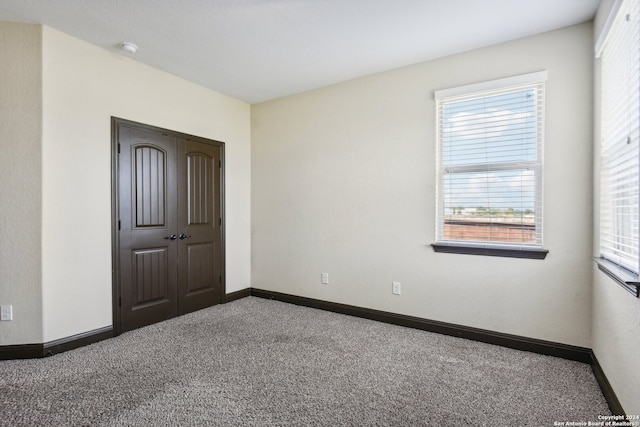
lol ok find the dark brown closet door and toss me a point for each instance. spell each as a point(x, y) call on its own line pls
point(199, 225)
point(168, 239)
point(148, 224)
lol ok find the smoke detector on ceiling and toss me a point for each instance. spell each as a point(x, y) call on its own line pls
point(128, 47)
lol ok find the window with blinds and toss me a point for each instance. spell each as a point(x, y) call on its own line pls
point(619, 154)
point(490, 140)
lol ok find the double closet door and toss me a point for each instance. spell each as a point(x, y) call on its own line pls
point(170, 252)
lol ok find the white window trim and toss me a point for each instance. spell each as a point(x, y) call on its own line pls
point(606, 29)
point(622, 266)
point(505, 83)
point(489, 248)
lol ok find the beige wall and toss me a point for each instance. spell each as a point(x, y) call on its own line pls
point(83, 87)
point(21, 181)
point(343, 182)
point(616, 313)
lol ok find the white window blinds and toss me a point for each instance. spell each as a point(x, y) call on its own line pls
point(620, 117)
point(490, 139)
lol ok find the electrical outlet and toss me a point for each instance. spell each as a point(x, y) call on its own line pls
point(324, 277)
point(6, 312)
point(396, 288)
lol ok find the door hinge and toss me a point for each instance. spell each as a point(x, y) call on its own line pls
point(220, 279)
point(220, 164)
point(220, 221)
point(119, 225)
point(118, 148)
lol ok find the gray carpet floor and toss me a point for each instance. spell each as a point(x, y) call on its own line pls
point(256, 362)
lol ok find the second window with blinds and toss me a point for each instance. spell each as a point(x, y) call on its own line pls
point(490, 169)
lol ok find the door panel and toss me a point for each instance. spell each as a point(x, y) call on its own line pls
point(199, 255)
point(199, 181)
point(148, 272)
point(150, 280)
point(199, 271)
point(150, 176)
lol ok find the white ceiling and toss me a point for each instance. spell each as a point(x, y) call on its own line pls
point(256, 50)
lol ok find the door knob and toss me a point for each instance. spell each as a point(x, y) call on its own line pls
point(172, 237)
point(184, 236)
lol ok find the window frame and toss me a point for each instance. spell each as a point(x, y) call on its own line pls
point(621, 266)
point(488, 248)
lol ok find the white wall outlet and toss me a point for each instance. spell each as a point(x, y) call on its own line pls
point(6, 312)
point(324, 277)
point(396, 288)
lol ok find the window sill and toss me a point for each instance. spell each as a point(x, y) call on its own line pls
point(622, 276)
point(490, 251)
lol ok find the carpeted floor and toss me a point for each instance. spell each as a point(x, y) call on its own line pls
point(256, 362)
